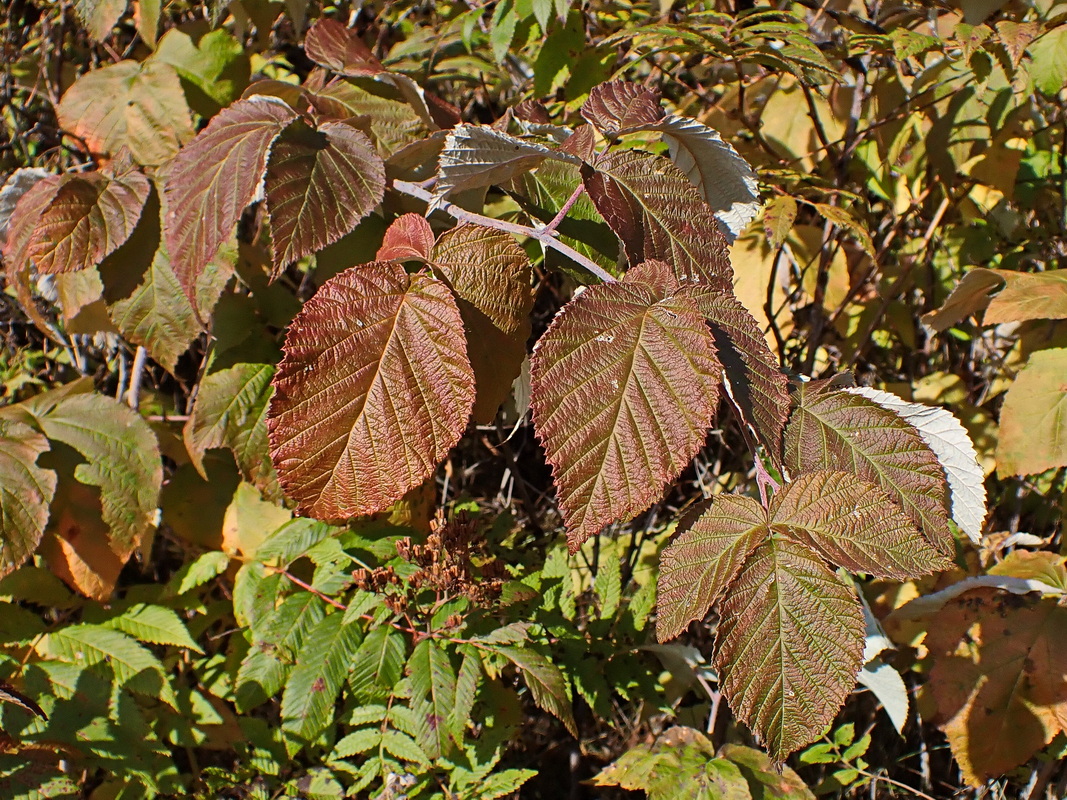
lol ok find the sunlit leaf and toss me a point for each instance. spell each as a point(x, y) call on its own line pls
point(1024, 296)
point(478, 155)
point(625, 385)
point(490, 276)
point(680, 763)
point(319, 185)
point(433, 684)
point(339, 49)
point(652, 206)
point(89, 217)
point(698, 567)
point(155, 625)
point(788, 646)
point(951, 443)
point(778, 219)
point(374, 389)
point(620, 106)
point(214, 67)
point(1048, 68)
point(214, 178)
point(311, 691)
point(409, 237)
point(25, 493)
point(836, 430)
point(1033, 419)
point(725, 180)
point(137, 105)
point(99, 16)
point(970, 296)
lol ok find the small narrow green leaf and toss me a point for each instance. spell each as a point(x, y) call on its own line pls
point(545, 681)
point(378, 664)
point(155, 625)
point(361, 741)
point(608, 586)
point(433, 685)
point(311, 691)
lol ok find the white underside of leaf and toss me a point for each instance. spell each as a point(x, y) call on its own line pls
point(887, 685)
point(944, 434)
point(725, 180)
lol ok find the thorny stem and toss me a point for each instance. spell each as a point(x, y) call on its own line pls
point(556, 220)
point(545, 236)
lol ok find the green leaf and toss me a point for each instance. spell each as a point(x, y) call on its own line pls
point(608, 585)
point(374, 390)
point(767, 778)
point(121, 458)
point(26, 491)
point(378, 664)
point(231, 411)
point(134, 667)
point(545, 681)
point(155, 625)
point(470, 675)
point(275, 643)
point(311, 691)
point(680, 763)
point(158, 314)
point(404, 747)
point(214, 69)
point(789, 645)
point(1049, 61)
point(1033, 419)
point(624, 388)
point(506, 782)
point(836, 430)
point(433, 685)
point(502, 29)
point(99, 16)
point(205, 568)
point(361, 741)
point(137, 105)
point(658, 214)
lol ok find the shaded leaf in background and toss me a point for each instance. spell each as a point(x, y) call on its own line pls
point(99, 16)
point(767, 778)
point(835, 430)
point(214, 68)
point(158, 314)
point(231, 411)
point(952, 445)
point(139, 106)
point(374, 389)
point(680, 763)
point(490, 276)
point(658, 214)
point(1049, 61)
point(545, 681)
point(1033, 419)
point(319, 185)
point(26, 491)
point(997, 678)
point(214, 178)
point(625, 386)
